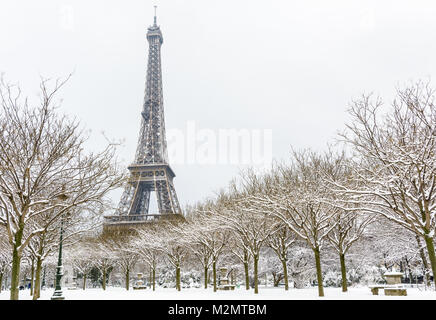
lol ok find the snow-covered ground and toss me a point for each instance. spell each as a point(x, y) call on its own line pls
point(113, 293)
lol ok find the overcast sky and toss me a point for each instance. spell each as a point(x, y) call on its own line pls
point(289, 66)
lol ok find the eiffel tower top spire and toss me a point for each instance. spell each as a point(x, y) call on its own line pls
point(154, 32)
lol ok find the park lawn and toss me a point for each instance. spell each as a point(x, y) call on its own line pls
point(270, 293)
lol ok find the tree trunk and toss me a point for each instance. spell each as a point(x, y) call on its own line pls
point(431, 256)
point(84, 282)
point(256, 280)
point(424, 261)
point(319, 272)
point(154, 278)
point(206, 270)
point(214, 275)
point(285, 274)
point(1, 281)
point(343, 272)
point(37, 290)
point(32, 276)
point(178, 286)
point(15, 272)
point(276, 278)
point(410, 275)
point(127, 279)
point(104, 280)
point(247, 278)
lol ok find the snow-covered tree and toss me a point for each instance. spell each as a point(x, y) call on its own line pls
point(395, 160)
point(295, 194)
point(269, 264)
point(388, 245)
point(280, 242)
point(199, 244)
point(120, 244)
point(74, 224)
point(350, 225)
point(349, 228)
point(147, 245)
point(206, 237)
point(81, 258)
point(250, 226)
point(241, 252)
point(104, 258)
point(173, 245)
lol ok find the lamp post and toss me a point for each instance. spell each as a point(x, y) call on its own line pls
point(58, 295)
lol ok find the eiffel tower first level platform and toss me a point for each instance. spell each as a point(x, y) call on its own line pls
point(144, 179)
point(150, 172)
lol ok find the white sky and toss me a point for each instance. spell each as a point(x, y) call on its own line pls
point(289, 66)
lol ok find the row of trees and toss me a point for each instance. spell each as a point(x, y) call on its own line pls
point(207, 239)
point(388, 175)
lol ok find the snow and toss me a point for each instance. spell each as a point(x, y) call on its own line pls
point(393, 273)
point(117, 293)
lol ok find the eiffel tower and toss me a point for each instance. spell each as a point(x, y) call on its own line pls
point(150, 171)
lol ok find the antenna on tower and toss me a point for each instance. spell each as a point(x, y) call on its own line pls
point(155, 15)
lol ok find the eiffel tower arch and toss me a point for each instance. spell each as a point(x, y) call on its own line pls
point(150, 171)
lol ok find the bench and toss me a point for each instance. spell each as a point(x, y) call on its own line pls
point(390, 290)
point(374, 289)
point(398, 291)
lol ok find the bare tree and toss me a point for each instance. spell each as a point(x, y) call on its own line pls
point(207, 238)
point(75, 223)
point(387, 244)
point(349, 228)
point(249, 225)
point(147, 246)
point(45, 168)
point(120, 244)
point(280, 241)
point(173, 245)
point(395, 161)
point(240, 251)
point(296, 195)
point(80, 257)
point(104, 258)
point(350, 225)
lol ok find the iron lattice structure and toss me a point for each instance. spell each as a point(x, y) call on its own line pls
point(150, 171)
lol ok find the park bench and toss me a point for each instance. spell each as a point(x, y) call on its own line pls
point(390, 290)
point(374, 288)
point(395, 291)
